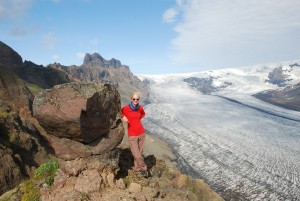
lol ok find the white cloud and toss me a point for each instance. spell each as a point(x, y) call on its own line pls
point(13, 8)
point(49, 40)
point(170, 15)
point(80, 55)
point(224, 29)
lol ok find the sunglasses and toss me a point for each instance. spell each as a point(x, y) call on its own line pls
point(135, 99)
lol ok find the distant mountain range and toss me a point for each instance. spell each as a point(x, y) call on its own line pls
point(94, 69)
point(277, 83)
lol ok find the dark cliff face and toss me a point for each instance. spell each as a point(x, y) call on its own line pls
point(8, 56)
point(29, 71)
point(41, 76)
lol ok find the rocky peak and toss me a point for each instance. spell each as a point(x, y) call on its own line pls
point(94, 58)
point(97, 59)
point(8, 56)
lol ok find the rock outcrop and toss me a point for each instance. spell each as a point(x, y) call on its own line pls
point(96, 69)
point(109, 177)
point(22, 148)
point(82, 119)
point(13, 90)
point(10, 172)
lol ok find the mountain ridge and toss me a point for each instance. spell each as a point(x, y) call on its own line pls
point(94, 69)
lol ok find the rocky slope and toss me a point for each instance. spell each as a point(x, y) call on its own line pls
point(25, 144)
point(29, 71)
point(288, 97)
point(109, 177)
point(22, 148)
point(98, 170)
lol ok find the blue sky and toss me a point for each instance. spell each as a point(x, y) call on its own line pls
point(154, 36)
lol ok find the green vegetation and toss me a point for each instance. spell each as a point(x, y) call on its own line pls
point(34, 88)
point(30, 192)
point(43, 175)
point(48, 168)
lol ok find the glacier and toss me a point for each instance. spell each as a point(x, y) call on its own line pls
point(244, 148)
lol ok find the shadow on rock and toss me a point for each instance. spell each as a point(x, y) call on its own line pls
point(126, 162)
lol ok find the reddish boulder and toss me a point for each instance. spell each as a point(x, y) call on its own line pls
point(82, 118)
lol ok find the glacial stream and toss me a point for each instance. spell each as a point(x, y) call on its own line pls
point(246, 152)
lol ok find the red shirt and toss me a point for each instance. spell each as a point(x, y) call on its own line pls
point(135, 126)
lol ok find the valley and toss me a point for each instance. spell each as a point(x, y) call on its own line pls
point(244, 148)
